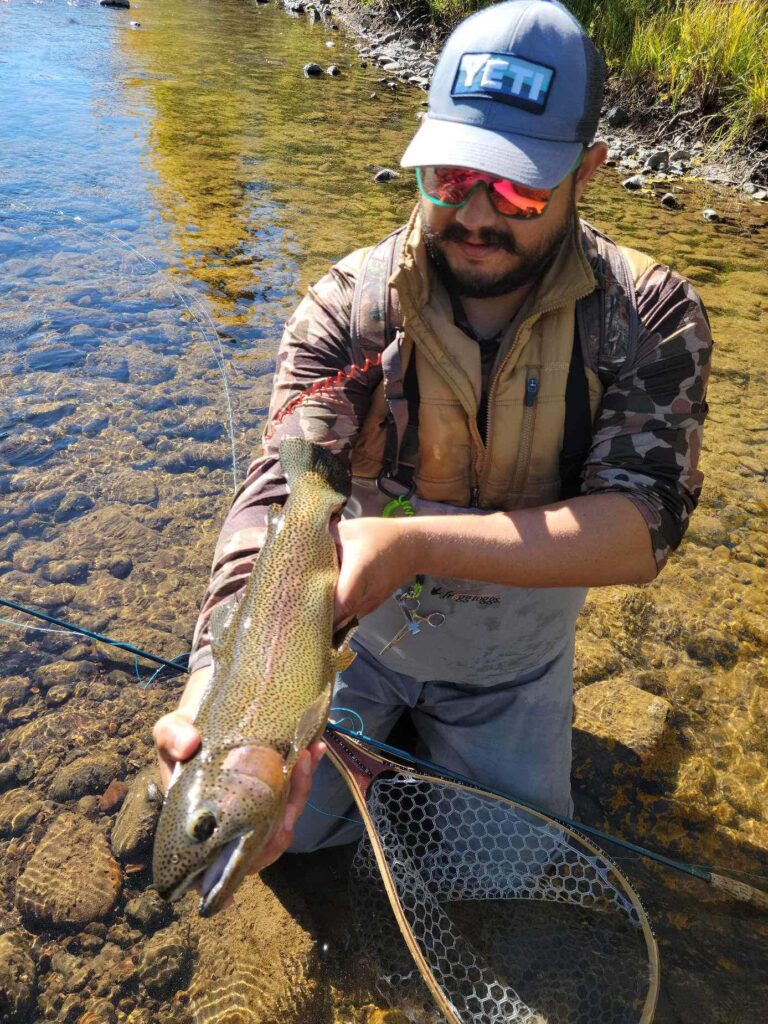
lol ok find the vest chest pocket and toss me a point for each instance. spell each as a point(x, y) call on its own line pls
point(527, 429)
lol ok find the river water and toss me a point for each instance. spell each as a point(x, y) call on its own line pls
point(166, 194)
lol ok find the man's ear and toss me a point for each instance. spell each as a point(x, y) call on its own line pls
point(594, 156)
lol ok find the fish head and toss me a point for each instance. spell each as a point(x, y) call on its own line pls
point(220, 810)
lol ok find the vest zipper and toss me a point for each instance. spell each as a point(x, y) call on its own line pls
point(520, 476)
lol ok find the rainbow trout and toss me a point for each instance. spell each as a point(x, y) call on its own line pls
point(274, 666)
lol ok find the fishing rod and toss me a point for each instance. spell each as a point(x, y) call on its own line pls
point(733, 887)
point(177, 665)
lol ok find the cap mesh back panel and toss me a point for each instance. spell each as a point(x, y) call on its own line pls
point(517, 920)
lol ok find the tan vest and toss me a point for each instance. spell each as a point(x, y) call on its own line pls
point(517, 464)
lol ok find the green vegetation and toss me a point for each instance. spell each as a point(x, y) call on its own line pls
point(708, 56)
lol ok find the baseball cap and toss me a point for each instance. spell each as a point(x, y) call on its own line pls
point(516, 92)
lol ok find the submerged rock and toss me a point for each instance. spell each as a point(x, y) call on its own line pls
point(312, 70)
point(135, 824)
point(166, 962)
point(18, 979)
point(627, 720)
point(89, 774)
point(71, 878)
point(18, 807)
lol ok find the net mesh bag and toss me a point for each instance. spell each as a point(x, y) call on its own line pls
point(514, 917)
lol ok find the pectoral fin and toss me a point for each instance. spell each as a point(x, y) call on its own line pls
point(342, 657)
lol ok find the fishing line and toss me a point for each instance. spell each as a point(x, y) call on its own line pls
point(199, 315)
point(70, 627)
point(704, 874)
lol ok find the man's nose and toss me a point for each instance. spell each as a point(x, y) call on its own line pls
point(478, 211)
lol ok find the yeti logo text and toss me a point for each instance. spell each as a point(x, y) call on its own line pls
point(504, 77)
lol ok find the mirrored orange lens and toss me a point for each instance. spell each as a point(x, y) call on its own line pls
point(452, 185)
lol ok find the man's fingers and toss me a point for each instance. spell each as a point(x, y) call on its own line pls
point(176, 736)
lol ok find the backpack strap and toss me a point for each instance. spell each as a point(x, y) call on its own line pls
point(606, 319)
point(606, 336)
point(376, 329)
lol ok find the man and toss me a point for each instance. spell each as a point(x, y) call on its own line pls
point(506, 348)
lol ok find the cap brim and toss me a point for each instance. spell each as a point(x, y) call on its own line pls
point(537, 163)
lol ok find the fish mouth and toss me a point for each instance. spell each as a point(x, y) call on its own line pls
point(214, 886)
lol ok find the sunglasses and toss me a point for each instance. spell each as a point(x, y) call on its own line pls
point(452, 187)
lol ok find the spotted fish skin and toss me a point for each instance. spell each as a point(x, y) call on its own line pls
point(269, 695)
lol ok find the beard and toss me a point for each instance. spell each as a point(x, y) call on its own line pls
point(478, 284)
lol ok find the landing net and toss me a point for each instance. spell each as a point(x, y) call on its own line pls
point(510, 917)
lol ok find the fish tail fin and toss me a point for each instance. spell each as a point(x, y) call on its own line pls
point(299, 456)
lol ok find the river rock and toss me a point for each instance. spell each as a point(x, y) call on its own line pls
point(58, 695)
point(712, 216)
point(657, 159)
point(312, 70)
point(18, 807)
point(18, 979)
point(255, 962)
point(166, 961)
point(669, 202)
point(13, 693)
point(627, 721)
point(633, 184)
point(385, 174)
point(333, 70)
point(89, 774)
point(112, 797)
point(122, 4)
point(617, 117)
point(71, 878)
point(70, 570)
point(134, 826)
point(71, 506)
point(148, 911)
point(708, 530)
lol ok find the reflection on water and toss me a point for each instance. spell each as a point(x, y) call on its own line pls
point(165, 195)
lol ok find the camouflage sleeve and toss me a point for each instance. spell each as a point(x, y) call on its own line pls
point(648, 431)
point(317, 394)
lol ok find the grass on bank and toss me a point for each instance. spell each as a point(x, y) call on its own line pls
point(705, 54)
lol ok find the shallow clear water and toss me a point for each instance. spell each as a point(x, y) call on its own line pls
point(166, 193)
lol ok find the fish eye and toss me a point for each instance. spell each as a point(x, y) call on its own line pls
point(202, 826)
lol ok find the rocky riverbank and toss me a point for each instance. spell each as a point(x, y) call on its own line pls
point(648, 143)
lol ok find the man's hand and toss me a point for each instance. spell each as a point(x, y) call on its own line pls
point(375, 560)
point(177, 739)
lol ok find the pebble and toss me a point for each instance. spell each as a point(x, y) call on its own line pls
point(122, 4)
point(312, 70)
point(385, 174)
point(712, 216)
point(333, 70)
point(113, 796)
point(135, 24)
point(669, 201)
point(148, 911)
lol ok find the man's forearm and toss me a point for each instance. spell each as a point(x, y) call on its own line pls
point(593, 540)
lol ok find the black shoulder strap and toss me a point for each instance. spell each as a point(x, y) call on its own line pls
point(607, 330)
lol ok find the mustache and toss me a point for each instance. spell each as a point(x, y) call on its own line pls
point(485, 236)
